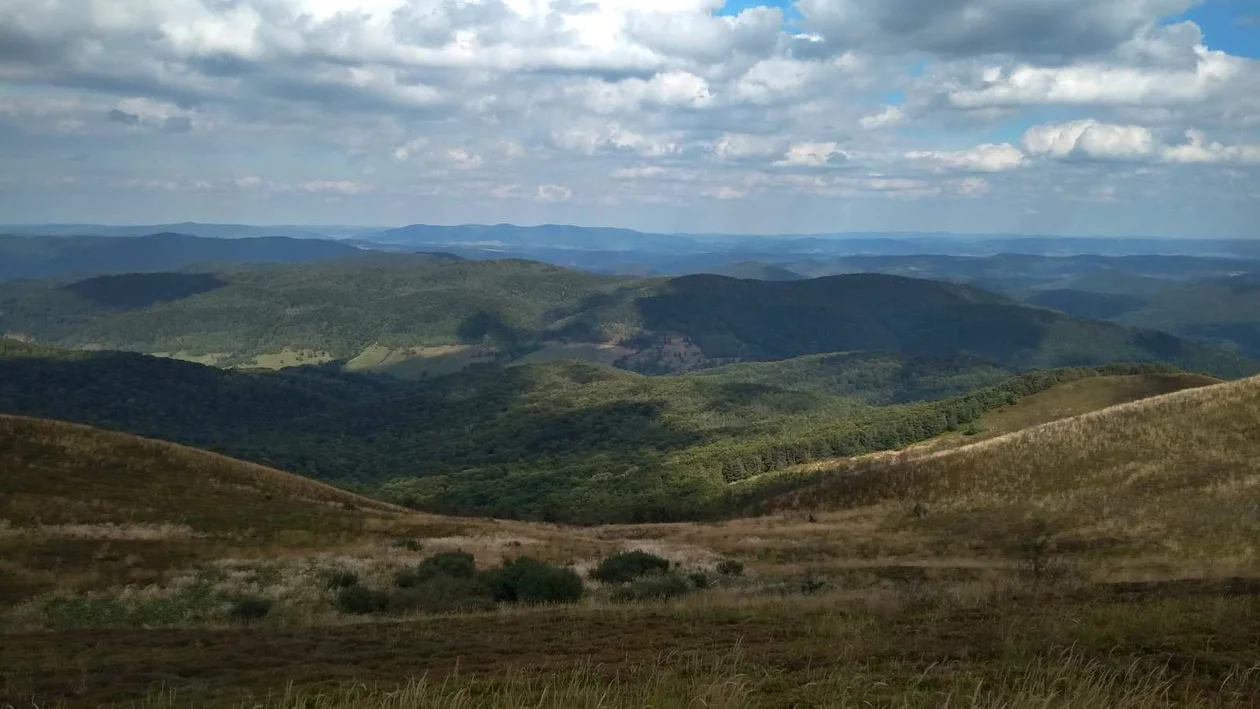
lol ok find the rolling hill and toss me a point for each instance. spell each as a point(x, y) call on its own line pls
point(1172, 472)
point(567, 441)
point(393, 311)
point(32, 257)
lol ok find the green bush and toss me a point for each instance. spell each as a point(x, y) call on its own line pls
point(250, 608)
point(442, 594)
point(338, 580)
point(451, 564)
point(730, 567)
point(699, 579)
point(627, 566)
point(526, 580)
point(358, 600)
point(656, 588)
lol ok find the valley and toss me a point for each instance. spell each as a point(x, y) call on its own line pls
point(907, 579)
point(417, 480)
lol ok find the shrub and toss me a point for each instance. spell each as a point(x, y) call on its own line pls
point(408, 544)
point(699, 579)
point(526, 580)
point(657, 588)
point(730, 567)
point(357, 600)
point(338, 580)
point(627, 566)
point(250, 608)
point(442, 594)
point(451, 564)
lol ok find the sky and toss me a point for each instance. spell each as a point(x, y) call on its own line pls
point(1079, 117)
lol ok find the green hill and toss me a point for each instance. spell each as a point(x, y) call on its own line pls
point(565, 441)
point(402, 313)
point(1223, 313)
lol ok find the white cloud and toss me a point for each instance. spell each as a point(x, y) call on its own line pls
point(1090, 139)
point(812, 155)
point(725, 192)
point(1101, 84)
point(461, 159)
point(336, 186)
point(410, 149)
point(1197, 150)
point(890, 116)
point(989, 157)
point(553, 193)
point(741, 146)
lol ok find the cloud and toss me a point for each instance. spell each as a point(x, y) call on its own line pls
point(978, 27)
point(553, 193)
point(639, 112)
point(983, 158)
point(812, 155)
point(725, 192)
point(1197, 150)
point(1090, 139)
point(890, 116)
point(336, 186)
point(1167, 66)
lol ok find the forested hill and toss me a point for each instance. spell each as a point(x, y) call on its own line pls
point(567, 441)
point(380, 312)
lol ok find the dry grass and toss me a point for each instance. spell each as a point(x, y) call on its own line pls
point(918, 590)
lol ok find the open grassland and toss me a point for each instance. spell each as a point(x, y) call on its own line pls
point(1106, 559)
point(1116, 651)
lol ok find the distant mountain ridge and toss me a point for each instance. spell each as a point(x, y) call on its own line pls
point(63, 256)
point(383, 310)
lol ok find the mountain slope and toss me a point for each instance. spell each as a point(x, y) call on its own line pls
point(565, 441)
point(1172, 472)
point(64, 256)
point(392, 309)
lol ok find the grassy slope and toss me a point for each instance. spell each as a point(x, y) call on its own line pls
point(82, 508)
point(909, 610)
point(518, 306)
point(1177, 472)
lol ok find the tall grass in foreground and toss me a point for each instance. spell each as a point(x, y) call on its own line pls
point(1067, 680)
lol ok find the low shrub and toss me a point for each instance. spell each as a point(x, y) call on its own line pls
point(627, 566)
point(338, 580)
point(358, 600)
point(699, 579)
point(730, 567)
point(451, 564)
point(442, 594)
point(526, 580)
point(655, 588)
point(251, 608)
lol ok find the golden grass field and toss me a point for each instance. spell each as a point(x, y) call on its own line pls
point(1069, 555)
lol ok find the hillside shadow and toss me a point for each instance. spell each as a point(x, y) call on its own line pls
point(133, 291)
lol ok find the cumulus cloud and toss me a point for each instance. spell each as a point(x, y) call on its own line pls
point(890, 116)
point(982, 158)
point(1090, 139)
point(812, 155)
point(1197, 150)
point(629, 103)
point(1164, 66)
